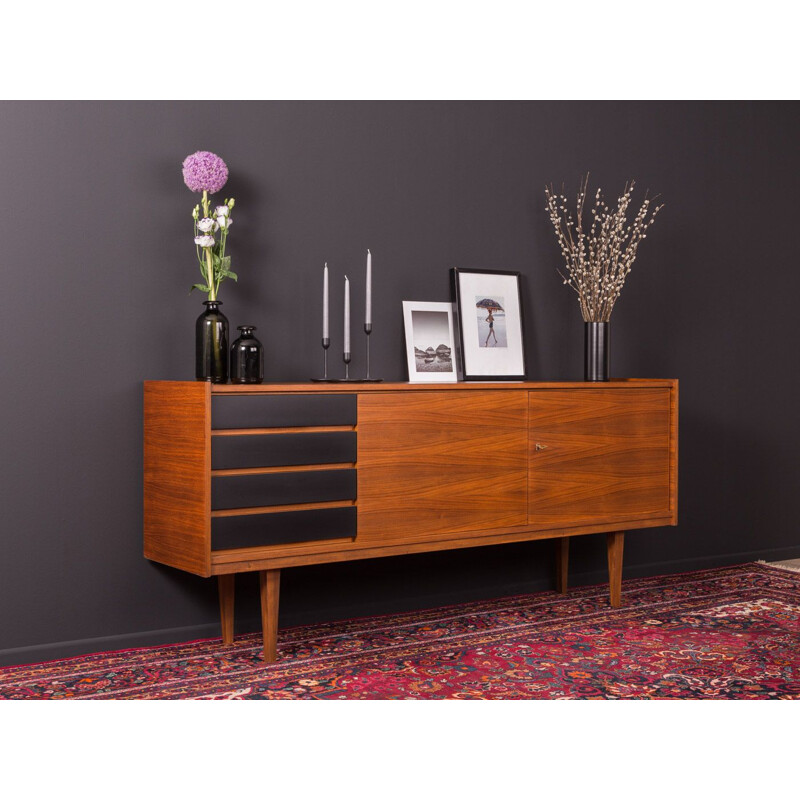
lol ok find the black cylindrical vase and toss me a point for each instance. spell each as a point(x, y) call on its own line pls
point(211, 344)
point(595, 353)
point(247, 357)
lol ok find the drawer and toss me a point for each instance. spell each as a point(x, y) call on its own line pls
point(245, 491)
point(290, 527)
point(281, 450)
point(269, 411)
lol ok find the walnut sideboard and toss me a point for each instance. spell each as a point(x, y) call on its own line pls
point(262, 477)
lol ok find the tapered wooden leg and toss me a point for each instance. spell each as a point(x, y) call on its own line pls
point(270, 582)
point(226, 585)
point(562, 564)
point(615, 542)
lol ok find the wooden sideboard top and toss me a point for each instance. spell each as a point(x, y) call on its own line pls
point(355, 387)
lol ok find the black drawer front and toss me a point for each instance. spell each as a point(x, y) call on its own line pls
point(282, 411)
point(282, 450)
point(259, 530)
point(244, 491)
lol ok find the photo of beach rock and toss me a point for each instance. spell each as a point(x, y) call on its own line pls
point(431, 334)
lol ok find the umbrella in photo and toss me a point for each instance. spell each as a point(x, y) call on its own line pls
point(488, 303)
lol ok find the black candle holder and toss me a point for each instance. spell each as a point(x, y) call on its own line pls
point(347, 358)
point(326, 343)
point(368, 331)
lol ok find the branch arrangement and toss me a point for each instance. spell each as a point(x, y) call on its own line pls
point(598, 261)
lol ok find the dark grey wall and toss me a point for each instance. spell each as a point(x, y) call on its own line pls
point(98, 258)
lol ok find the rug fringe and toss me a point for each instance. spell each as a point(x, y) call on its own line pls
point(779, 566)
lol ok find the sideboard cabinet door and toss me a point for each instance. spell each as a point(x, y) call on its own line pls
point(431, 464)
point(598, 455)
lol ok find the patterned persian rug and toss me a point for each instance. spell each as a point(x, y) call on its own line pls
point(731, 633)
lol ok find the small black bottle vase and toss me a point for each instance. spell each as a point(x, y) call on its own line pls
point(247, 357)
point(595, 351)
point(211, 344)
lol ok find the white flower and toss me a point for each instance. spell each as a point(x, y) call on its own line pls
point(224, 222)
point(204, 241)
point(207, 224)
point(221, 211)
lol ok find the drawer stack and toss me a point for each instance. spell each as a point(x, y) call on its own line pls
point(283, 469)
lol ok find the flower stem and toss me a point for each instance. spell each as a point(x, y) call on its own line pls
point(212, 294)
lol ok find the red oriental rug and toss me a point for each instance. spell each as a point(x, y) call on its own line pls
point(731, 633)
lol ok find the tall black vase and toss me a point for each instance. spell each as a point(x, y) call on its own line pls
point(211, 344)
point(595, 351)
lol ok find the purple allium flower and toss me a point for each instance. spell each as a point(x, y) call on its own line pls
point(204, 171)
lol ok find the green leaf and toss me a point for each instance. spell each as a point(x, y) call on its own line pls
point(226, 263)
point(233, 275)
point(199, 286)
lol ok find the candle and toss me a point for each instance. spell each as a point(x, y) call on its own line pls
point(368, 314)
point(346, 315)
point(325, 334)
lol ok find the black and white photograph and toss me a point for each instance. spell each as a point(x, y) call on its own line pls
point(429, 341)
point(489, 320)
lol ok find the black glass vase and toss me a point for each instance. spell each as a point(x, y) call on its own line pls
point(595, 348)
point(247, 357)
point(211, 344)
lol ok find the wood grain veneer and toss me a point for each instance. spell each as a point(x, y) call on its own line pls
point(281, 470)
point(436, 463)
point(273, 431)
point(329, 551)
point(280, 509)
point(614, 543)
point(269, 583)
point(673, 453)
point(599, 454)
point(177, 475)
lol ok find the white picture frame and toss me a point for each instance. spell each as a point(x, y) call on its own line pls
point(430, 342)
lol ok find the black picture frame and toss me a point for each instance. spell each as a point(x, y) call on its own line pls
point(476, 361)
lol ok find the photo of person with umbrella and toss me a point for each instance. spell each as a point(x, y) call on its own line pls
point(493, 325)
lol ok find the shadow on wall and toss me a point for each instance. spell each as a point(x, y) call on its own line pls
point(327, 592)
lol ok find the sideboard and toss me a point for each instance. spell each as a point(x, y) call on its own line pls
point(262, 477)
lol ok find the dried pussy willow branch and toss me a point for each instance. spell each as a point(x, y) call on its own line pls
point(598, 261)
